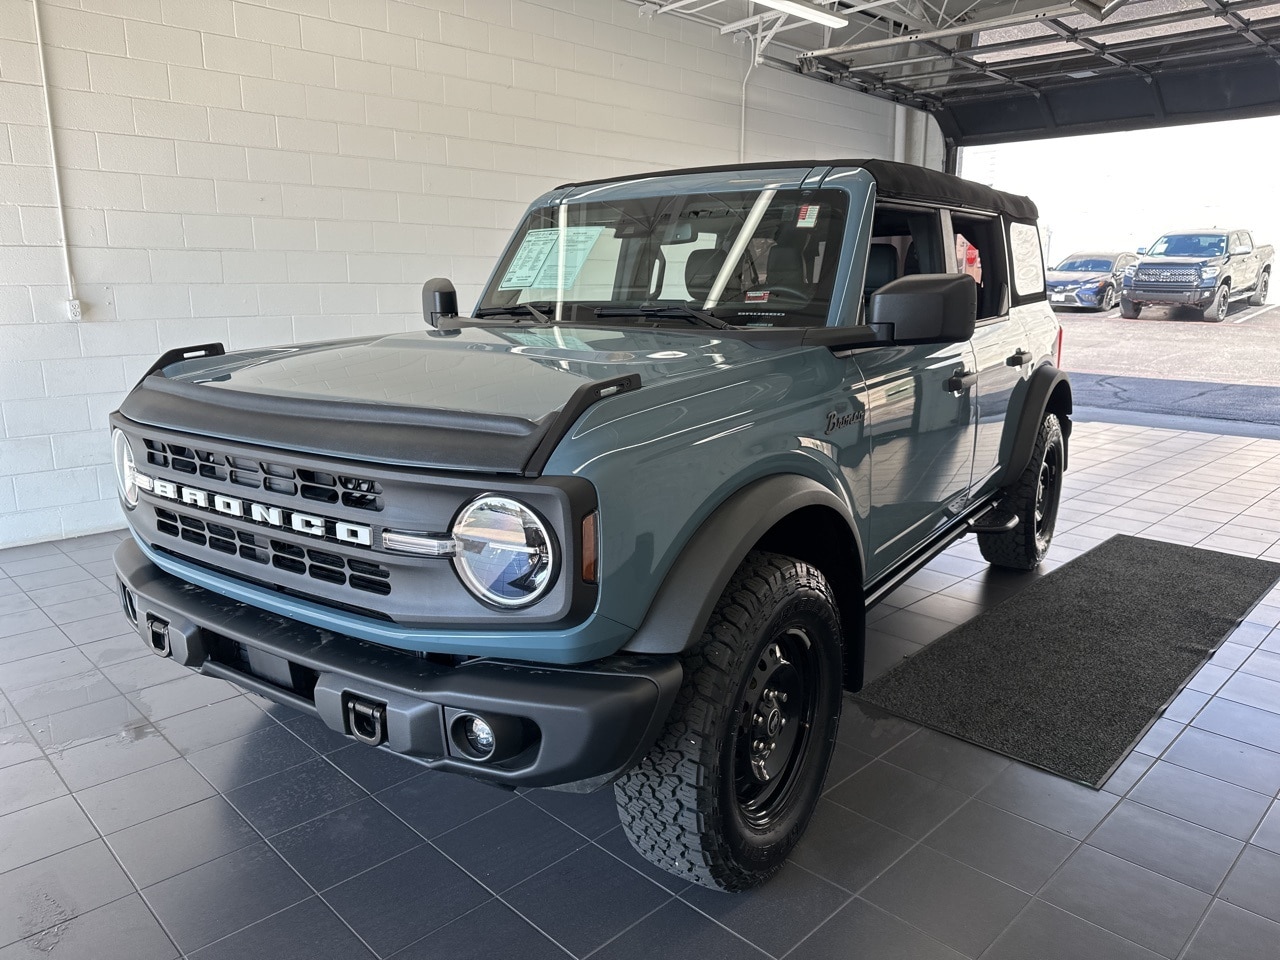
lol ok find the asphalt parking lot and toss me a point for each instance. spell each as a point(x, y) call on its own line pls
point(1172, 368)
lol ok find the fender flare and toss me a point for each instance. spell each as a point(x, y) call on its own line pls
point(1048, 391)
point(683, 604)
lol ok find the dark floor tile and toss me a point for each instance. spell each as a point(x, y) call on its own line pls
point(1209, 679)
point(1153, 911)
point(209, 726)
point(8, 715)
point(1185, 706)
point(131, 799)
point(218, 898)
point(960, 765)
point(294, 796)
point(1002, 845)
point(1043, 932)
point(133, 675)
point(246, 759)
point(776, 916)
point(1261, 728)
point(112, 650)
point(56, 696)
point(1051, 801)
point(847, 848)
point(869, 729)
point(47, 667)
point(585, 899)
point(1254, 691)
point(615, 842)
point(34, 564)
point(1205, 800)
point(306, 931)
point(863, 930)
point(178, 696)
point(313, 732)
point(36, 832)
point(1263, 663)
point(435, 803)
point(1229, 933)
point(78, 589)
point(17, 746)
point(99, 628)
point(135, 749)
point(677, 923)
point(898, 799)
point(374, 769)
point(33, 644)
point(114, 716)
point(591, 814)
point(51, 578)
point(845, 761)
point(1268, 835)
point(1254, 883)
point(949, 901)
point(914, 626)
point(1169, 846)
point(54, 890)
point(885, 652)
point(1230, 655)
point(473, 937)
point(1227, 759)
point(346, 842)
point(405, 899)
point(123, 930)
point(26, 784)
point(23, 621)
point(1128, 773)
point(1157, 739)
point(174, 842)
point(510, 844)
point(83, 609)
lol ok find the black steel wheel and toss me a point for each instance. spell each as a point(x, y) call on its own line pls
point(1034, 498)
point(731, 784)
point(1128, 309)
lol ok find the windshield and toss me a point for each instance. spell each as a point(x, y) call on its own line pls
point(1190, 245)
point(750, 258)
point(1085, 263)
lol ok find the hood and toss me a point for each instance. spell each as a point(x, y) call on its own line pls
point(478, 398)
point(1075, 276)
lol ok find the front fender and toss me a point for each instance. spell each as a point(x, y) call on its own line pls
point(683, 604)
point(1048, 391)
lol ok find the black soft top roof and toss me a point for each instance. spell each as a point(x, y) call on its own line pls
point(901, 180)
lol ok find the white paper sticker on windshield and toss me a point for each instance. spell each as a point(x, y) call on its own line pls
point(808, 216)
point(537, 262)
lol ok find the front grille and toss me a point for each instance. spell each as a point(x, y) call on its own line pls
point(359, 493)
point(317, 564)
point(1168, 275)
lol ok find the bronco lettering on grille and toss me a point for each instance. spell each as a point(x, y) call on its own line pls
point(355, 533)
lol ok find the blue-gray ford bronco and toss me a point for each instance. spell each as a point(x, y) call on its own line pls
point(621, 525)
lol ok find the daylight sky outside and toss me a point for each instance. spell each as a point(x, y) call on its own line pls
point(1119, 191)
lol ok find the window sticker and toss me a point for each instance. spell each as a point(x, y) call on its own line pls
point(757, 296)
point(537, 261)
point(808, 216)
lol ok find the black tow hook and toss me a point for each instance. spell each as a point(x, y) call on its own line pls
point(367, 721)
point(158, 635)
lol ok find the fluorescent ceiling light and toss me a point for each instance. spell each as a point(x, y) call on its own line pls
point(807, 10)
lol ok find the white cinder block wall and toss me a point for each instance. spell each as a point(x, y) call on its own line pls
point(266, 172)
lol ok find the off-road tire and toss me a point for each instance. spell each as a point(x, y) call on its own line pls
point(1034, 498)
point(1128, 309)
point(687, 805)
point(1259, 295)
point(1217, 309)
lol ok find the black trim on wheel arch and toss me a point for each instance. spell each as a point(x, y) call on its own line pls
point(693, 586)
point(1041, 388)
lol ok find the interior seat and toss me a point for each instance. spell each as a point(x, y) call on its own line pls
point(700, 272)
point(882, 267)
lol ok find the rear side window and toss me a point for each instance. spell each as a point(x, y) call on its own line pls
point(1028, 262)
point(980, 245)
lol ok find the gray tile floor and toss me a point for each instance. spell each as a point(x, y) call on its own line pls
point(147, 814)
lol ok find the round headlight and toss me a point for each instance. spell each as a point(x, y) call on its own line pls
point(126, 472)
point(506, 555)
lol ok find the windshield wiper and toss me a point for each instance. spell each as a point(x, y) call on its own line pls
point(516, 310)
point(678, 311)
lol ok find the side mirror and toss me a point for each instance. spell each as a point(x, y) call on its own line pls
point(1141, 251)
point(927, 308)
point(439, 299)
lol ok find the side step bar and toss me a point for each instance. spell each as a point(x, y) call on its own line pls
point(993, 521)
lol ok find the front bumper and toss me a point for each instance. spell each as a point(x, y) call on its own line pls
point(1073, 298)
point(577, 727)
point(1196, 297)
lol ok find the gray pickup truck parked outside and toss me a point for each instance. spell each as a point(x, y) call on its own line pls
point(620, 526)
point(1203, 269)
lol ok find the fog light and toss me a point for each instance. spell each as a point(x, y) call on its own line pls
point(479, 736)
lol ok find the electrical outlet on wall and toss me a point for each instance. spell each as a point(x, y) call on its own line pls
point(73, 309)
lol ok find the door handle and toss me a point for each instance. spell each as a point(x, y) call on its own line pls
point(1018, 359)
point(962, 381)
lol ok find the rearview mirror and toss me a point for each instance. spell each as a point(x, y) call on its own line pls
point(927, 308)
